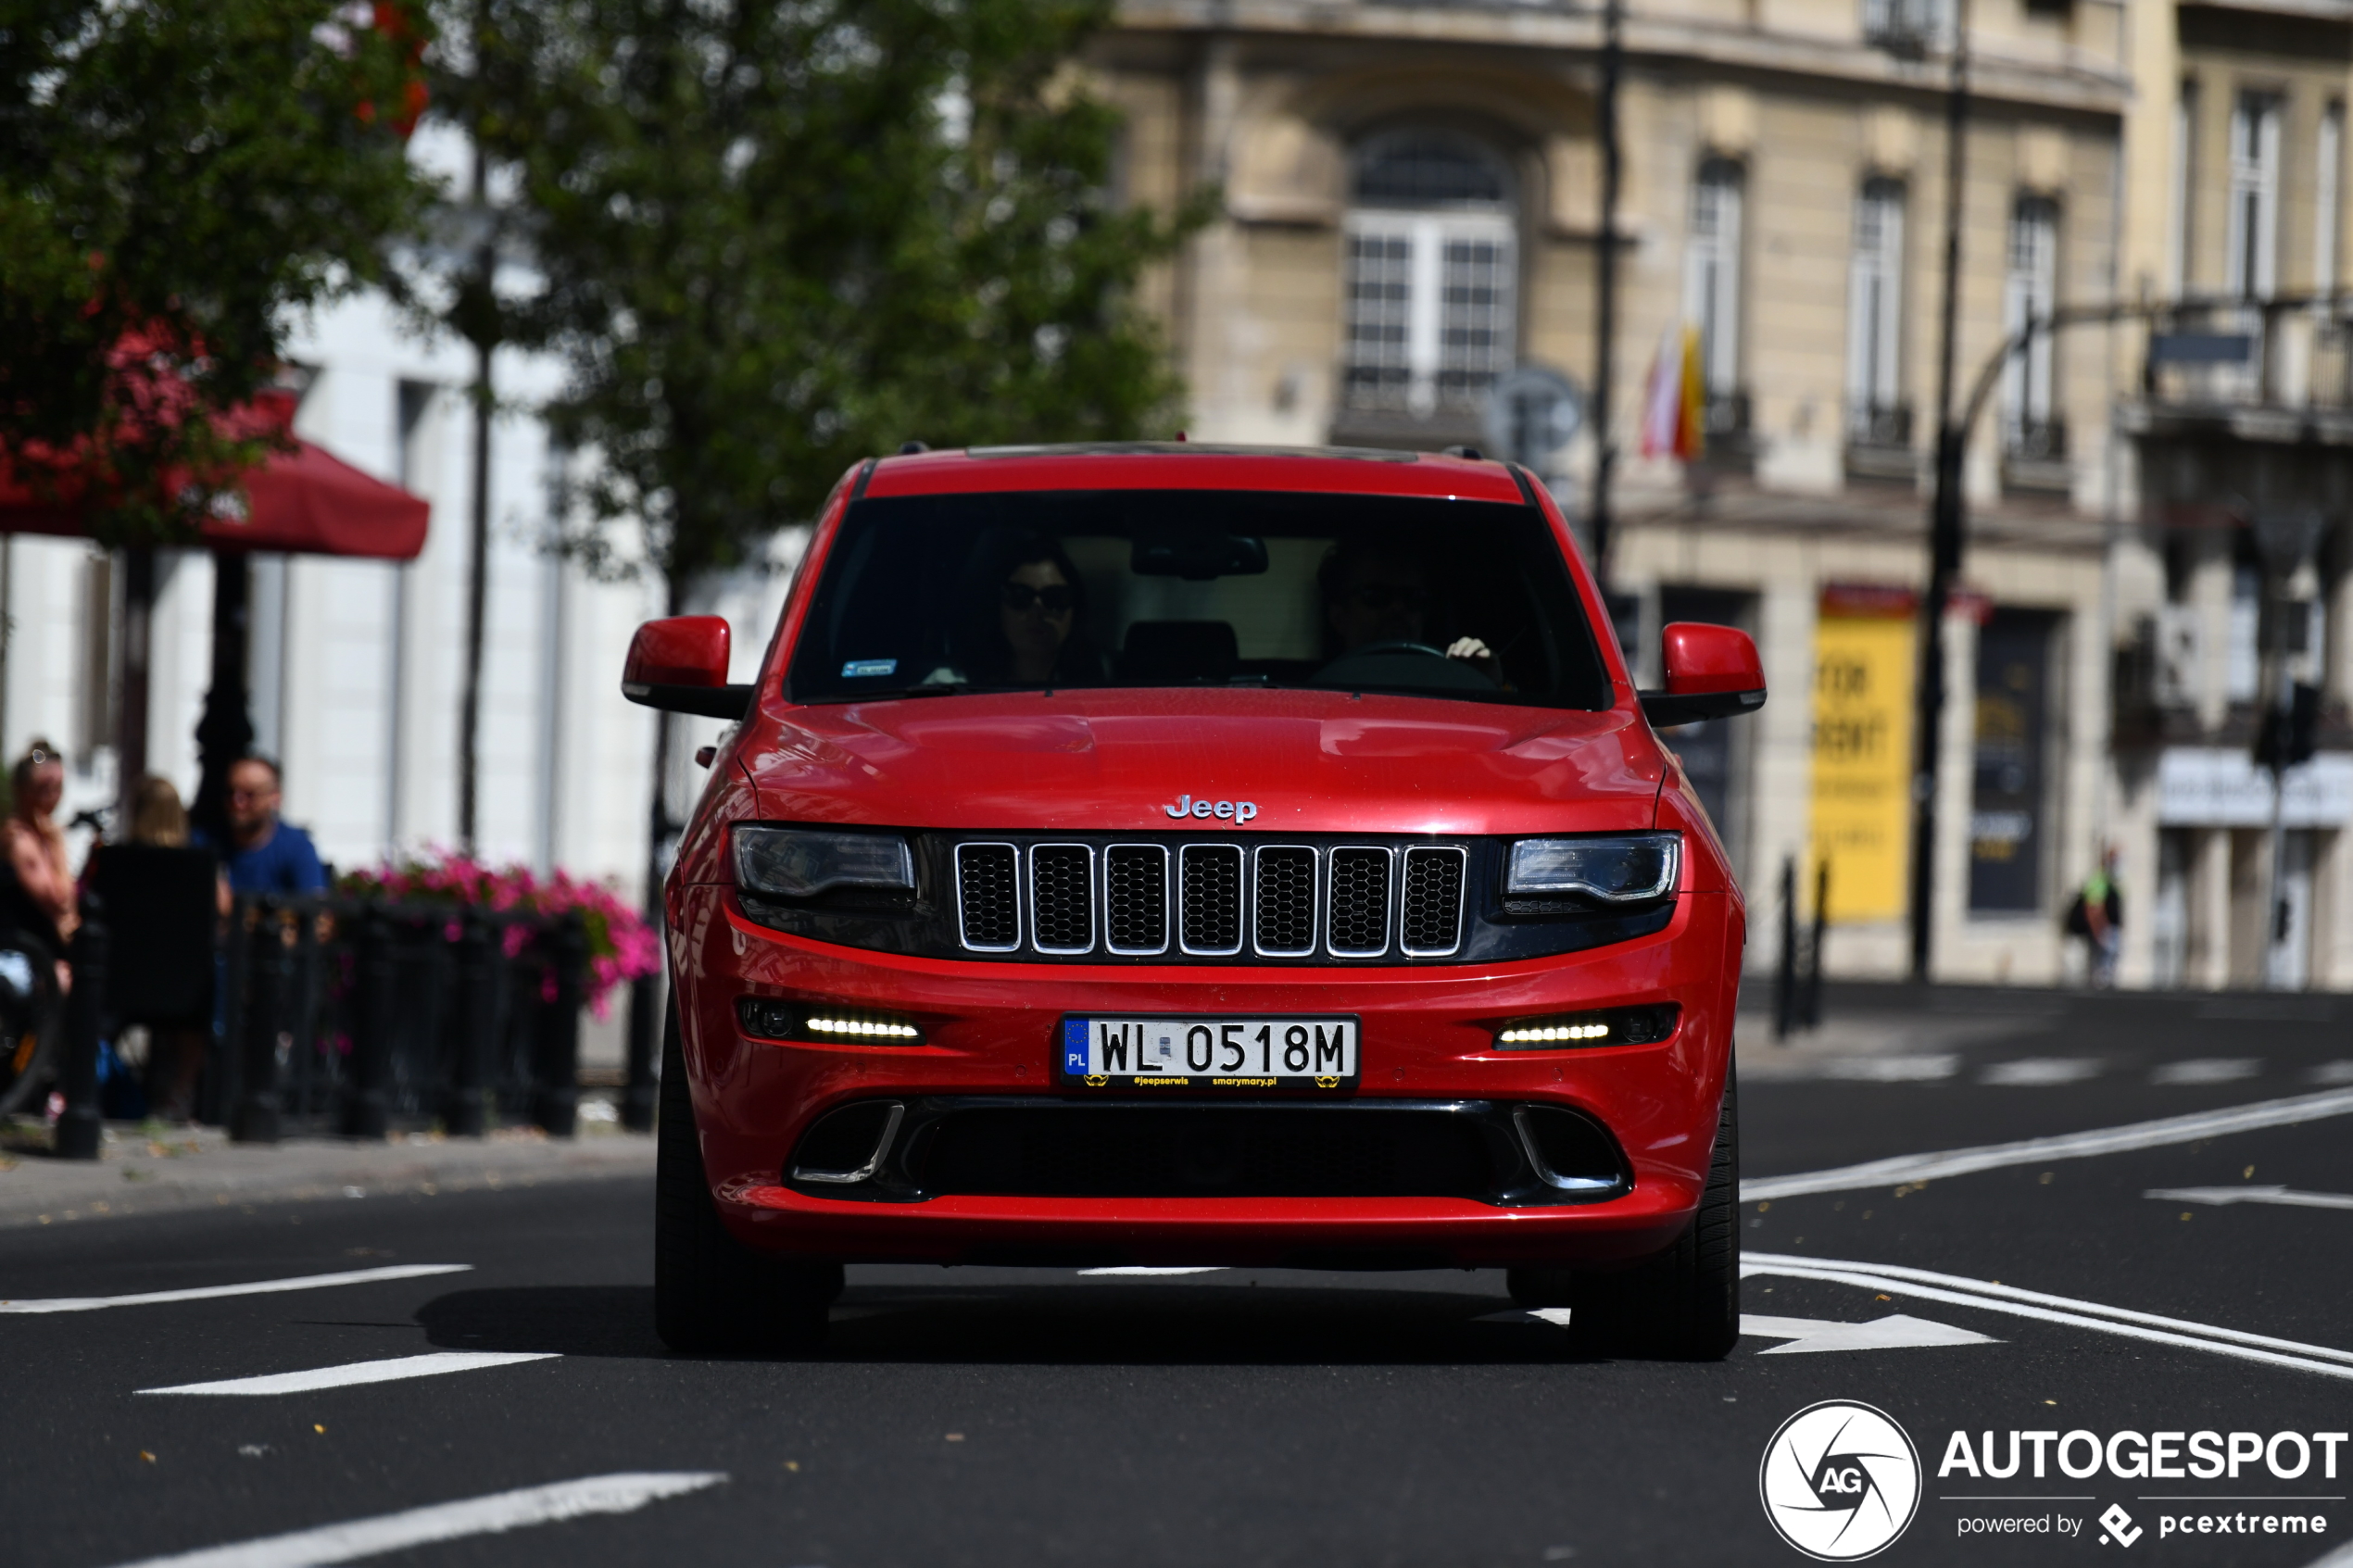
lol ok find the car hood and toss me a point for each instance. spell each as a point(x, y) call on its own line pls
point(1131, 761)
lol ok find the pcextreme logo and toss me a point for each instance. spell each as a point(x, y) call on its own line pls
point(1841, 1481)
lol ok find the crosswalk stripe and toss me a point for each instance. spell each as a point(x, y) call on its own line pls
point(391, 1369)
point(252, 1288)
point(622, 1493)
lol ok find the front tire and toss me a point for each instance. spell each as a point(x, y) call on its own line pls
point(712, 1293)
point(1682, 1305)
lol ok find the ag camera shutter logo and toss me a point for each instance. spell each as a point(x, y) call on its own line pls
point(1841, 1481)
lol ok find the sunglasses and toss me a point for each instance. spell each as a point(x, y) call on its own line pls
point(1058, 598)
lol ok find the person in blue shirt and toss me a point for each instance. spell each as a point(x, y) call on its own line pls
point(264, 854)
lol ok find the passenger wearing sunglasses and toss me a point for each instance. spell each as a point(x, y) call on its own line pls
point(1028, 629)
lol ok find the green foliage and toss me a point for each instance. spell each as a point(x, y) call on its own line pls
point(174, 176)
point(777, 238)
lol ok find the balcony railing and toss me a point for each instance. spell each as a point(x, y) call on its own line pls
point(2253, 354)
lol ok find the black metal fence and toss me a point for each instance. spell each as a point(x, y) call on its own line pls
point(359, 1017)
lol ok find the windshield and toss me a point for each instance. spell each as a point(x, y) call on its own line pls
point(937, 593)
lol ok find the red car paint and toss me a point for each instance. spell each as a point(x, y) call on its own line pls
point(1108, 760)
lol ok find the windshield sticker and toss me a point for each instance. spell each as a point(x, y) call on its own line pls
point(857, 668)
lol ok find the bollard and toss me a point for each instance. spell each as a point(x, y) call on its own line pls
point(463, 1113)
point(555, 1093)
point(638, 1101)
point(1785, 982)
point(1812, 1011)
point(259, 1111)
point(82, 1127)
point(367, 1107)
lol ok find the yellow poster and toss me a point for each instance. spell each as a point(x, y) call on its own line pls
point(1862, 814)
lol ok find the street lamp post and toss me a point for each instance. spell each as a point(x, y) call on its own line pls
point(1947, 531)
point(1605, 287)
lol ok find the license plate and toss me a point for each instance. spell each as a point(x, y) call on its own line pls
point(1208, 1053)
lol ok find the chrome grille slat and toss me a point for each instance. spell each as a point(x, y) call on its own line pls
point(1356, 901)
point(989, 897)
point(1210, 880)
point(1283, 901)
point(1062, 898)
point(1135, 899)
point(1431, 900)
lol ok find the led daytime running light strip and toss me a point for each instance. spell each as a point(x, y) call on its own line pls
point(864, 1028)
point(1553, 1032)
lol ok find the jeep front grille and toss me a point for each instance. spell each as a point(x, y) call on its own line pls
point(1274, 901)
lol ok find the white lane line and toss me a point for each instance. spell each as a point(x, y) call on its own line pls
point(622, 1493)
point(1894, 1331)
point(2041, 1071)
point(1145, 1269)
point(2285, 1196)
point(1993, 1296)
point(391, 1369)
point(253, 1287)
point(2208, 1070)
point(1905, 1168)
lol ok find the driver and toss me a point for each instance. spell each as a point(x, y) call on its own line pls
point(1376, 593)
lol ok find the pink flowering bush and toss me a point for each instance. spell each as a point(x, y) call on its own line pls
point(621, 946)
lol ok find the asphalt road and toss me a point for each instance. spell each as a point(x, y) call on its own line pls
point(1006, 1417)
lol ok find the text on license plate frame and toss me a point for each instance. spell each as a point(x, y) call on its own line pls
point(1108, 1050)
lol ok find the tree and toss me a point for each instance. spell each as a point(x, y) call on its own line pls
point(777, 238)
point(177, 179)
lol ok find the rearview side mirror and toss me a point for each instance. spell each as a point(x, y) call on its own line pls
point(1712, 672)
point(680, 666)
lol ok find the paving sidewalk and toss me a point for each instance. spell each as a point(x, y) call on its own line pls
point(144, 1169)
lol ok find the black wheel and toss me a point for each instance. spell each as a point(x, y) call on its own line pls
point(712, 1293)
point(1682, 1305)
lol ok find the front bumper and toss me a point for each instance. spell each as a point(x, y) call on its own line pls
point(989, 1036)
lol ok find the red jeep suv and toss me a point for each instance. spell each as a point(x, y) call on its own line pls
point(1176, 855)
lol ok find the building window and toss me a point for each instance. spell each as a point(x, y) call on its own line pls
point(2184, 194)
point(1907, 27)
point(1877, 414)
point(2031, 425)
point(2251, 265)
point(2329, 162)
point(1432, 264)
point(1712, 290)
point(2006, 798)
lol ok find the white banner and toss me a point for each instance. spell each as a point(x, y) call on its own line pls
point(2210, 786)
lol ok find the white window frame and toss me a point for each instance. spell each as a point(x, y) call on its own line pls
point(2030, 289)
point(1427, 236)
point(2251, 265)
point(1875, 303)
point(2184, 193)
point(2328, 185)
point(1712, 272)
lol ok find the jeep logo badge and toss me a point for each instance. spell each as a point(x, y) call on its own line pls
point(1236, 811)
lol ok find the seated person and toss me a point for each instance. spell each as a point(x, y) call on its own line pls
point(1378, 593)
point(1025, 619)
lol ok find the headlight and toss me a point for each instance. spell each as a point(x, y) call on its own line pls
point(801, 862)
point(1623, 869)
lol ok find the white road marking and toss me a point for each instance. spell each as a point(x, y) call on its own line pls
point(1894, 1331)
point(1995, 1297)
point(1908, 1168)
point(2041, 1071)
point(2332, 1072)
point(1921, 1068)
point(1144, 1269)
point(391, 1369)
point(2208, 1070)
point(253, 1287)
point(2285, 1196)
point(622, 1493)
point(1557, 1316)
